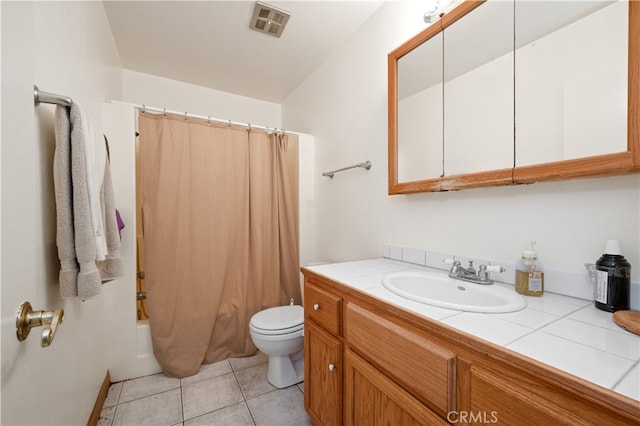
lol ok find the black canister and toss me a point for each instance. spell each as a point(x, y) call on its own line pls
point(613, 279)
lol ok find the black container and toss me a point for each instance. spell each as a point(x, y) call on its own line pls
point(613, 284)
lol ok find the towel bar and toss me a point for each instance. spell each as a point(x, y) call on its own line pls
point(49, 98)
point(364, 165)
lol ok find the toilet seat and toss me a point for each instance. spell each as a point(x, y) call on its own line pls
point(279, 320)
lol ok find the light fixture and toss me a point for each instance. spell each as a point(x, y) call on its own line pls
point(437, 8)
point(269, 19)
point(432, 13)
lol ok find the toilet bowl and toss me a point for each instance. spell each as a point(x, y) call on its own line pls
point(277, 332)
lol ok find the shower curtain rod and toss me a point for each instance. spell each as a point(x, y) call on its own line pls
point(201, 117)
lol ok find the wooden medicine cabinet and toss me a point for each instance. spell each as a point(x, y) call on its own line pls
point(500, 93)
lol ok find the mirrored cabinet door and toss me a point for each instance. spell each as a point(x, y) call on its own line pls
point(571, 79)
point(420, 112)
point(478, 90)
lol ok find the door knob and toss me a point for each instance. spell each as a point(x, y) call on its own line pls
point(28, 318)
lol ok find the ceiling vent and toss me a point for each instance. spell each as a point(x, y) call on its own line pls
point(269, 19)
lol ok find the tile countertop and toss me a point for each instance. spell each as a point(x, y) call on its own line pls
point(564, 332)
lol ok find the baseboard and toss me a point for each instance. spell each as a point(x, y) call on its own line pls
point(102, 396)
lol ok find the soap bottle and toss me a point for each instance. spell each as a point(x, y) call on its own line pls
point(613, 279)
point(529, 272)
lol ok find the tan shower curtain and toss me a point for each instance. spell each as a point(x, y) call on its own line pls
point(220, 236)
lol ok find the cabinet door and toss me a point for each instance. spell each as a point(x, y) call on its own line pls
point(322, 375)
point(508, 399)
point(371, 398)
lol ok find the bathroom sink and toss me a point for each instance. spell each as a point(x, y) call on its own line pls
point(437, 289)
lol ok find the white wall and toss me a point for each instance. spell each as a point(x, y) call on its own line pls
point(65, 48)
point(147, 89)
point(344, 105)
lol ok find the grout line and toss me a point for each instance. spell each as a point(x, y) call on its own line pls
point(243, 396)
point(624, 376)
point(181, 402)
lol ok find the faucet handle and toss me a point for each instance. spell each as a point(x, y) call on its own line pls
point(494, 268)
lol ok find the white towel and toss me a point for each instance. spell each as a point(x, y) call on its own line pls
point(111, 266)
point(95, 160)
point(89, 282)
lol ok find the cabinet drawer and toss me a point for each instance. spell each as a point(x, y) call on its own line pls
point(322, 307)
point(426, 370)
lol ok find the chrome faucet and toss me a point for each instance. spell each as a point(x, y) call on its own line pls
point(479, 276)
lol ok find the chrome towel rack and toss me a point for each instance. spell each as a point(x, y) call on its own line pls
point(49, 98)
point(364, 165)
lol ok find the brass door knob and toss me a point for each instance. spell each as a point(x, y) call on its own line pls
point(28, 318)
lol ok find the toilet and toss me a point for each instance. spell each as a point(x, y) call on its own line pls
point(277, 332)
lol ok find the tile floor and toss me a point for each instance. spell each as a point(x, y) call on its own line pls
point(233, 392)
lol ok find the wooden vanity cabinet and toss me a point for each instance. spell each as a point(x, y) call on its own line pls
point(370, 363)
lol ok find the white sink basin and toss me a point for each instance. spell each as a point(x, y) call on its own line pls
point(437, 289)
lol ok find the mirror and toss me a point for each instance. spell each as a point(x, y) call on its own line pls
point(560, 95)
point(478, 90)
point(570, 102)
point(420, 111)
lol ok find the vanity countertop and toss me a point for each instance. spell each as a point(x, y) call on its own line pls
point(564, 332)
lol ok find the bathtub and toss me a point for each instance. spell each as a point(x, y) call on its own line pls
point(144, 350)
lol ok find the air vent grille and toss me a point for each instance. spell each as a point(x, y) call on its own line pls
point(269, 19)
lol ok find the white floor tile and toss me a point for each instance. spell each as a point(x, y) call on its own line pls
point(210, 395)
point(208, 371)
point(145, 386)
point(113, 395)
point(253, 381)
point(248, 361)
point(106, 416)
point(281, 407)
point(162, 409)
point(236, 415)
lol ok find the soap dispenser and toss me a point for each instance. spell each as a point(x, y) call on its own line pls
point(529, 272)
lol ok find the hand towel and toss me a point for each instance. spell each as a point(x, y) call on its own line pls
point(111, 266)
point(95, 159)
point(89, 282)
point(64, 205)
